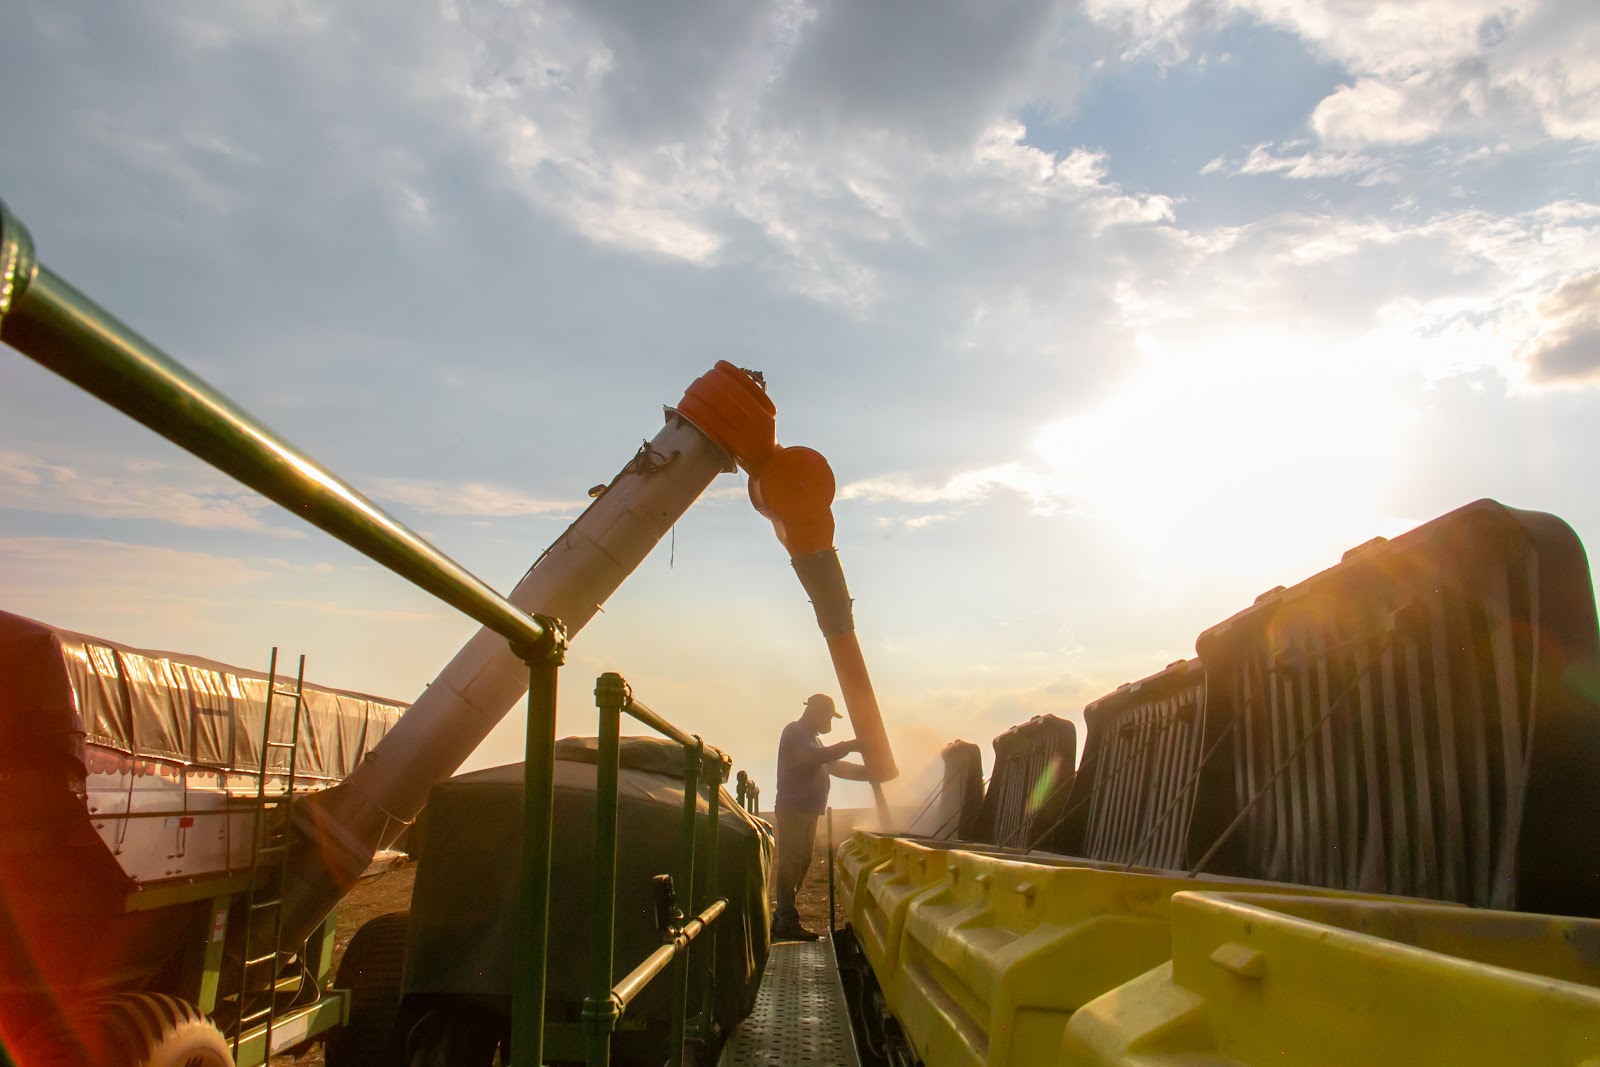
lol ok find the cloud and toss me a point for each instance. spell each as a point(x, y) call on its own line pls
point(966, 487)
point(136, 491)
point(1419, 69)
point(1567, 346)
point(934, 72)
point(1304, 165)
point(471, 499)
point(122, 576)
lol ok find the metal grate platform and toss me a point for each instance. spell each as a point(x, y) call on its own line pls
point(800, 1018)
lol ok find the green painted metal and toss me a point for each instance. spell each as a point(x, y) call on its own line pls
point(718, 774)
point(294, 1027)
point(692, 758)
point(605, 1004)
point(539, 797)
point(600, 1009)
point(211, 966)
point(320, 946)
point(50, 322)
point(661, 726)
point(153, 897)
point(833, 923)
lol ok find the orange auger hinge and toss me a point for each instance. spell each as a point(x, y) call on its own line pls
point(793, 487)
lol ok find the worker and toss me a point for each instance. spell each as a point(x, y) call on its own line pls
point(805, 766)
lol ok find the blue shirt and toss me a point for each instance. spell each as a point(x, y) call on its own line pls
point(803, 760)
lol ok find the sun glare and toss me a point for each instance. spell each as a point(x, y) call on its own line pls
point(1232, 458)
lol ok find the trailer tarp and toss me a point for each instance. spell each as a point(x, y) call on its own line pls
point(61, 691)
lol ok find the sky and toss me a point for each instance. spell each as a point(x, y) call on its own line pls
point(1109, 315)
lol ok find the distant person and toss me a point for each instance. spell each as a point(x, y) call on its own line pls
point(804, 767)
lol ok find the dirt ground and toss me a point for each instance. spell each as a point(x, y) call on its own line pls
point(392, 892)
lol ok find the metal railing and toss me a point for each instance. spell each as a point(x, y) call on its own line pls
point(604, 1006)
point(748, 795)
point(47, 320)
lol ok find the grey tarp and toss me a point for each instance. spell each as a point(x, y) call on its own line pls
point(60, 689)
point(463, 909)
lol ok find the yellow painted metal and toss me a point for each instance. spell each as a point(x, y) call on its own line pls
point(859, 855)
point(983, 959)
point(1310, 982)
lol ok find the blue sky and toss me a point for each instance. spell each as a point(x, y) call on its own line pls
point(1110, 315)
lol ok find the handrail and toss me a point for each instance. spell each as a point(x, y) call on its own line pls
point(605, 1004)
point(663, 727)
point(635, 981)
point(46, 319)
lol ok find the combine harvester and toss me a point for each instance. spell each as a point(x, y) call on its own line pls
point(1357, 828)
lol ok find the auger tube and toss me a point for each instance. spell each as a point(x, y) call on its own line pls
point(338, 831)
point(793, 487)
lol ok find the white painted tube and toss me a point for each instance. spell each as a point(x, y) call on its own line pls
point(347, 824)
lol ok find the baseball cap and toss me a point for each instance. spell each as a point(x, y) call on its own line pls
point(824, 700)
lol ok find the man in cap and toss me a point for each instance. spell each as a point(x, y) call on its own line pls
point(805, 765)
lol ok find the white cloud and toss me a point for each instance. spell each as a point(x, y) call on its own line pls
point(121, 569)
point(136, 491)
point(1419, 69)
point(1567, 345)
point(963, 488)
point(470, 499)
point(1296, 161)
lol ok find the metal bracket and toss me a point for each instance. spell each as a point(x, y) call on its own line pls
point(648, 461)
point(551, 651)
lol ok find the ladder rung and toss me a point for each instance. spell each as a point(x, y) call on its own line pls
point(246, 1020)
point(260, 960)
point(260, 904)
point(280, 744)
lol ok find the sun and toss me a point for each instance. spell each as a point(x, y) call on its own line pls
point(1229, 458)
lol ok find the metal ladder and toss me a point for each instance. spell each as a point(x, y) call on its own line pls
point(268, 897)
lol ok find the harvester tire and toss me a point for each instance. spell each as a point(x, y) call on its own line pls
point(371, 970)
point(155, 1030)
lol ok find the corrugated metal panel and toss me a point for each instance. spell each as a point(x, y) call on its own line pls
point(1145, 742)
point(960, 793)
point(1029, 782)
point(1422, 719)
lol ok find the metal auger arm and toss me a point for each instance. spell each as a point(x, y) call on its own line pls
point(793, 487)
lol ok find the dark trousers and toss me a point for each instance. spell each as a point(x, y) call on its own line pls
point(797, 835)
